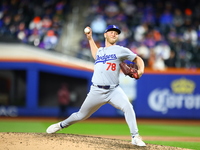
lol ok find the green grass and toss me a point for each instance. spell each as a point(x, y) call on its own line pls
point(111, 129)
point(23, 126)
point(98, 129)
point(170, 130)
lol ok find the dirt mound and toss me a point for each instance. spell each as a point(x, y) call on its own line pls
point(59, 141)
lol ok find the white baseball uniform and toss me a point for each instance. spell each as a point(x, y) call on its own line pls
point(105, 87)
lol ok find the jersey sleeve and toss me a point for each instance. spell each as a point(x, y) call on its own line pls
point(127, 54)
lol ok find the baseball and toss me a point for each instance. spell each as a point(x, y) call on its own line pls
point(86, 30)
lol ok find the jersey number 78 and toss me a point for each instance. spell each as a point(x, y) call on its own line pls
point(111, 66)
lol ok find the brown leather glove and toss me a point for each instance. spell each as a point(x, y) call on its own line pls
point(130, 70)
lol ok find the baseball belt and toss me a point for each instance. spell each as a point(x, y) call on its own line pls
point(106, 86)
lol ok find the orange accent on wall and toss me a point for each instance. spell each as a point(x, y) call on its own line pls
point(59, 64)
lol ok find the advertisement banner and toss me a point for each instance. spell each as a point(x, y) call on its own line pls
point(168, 96)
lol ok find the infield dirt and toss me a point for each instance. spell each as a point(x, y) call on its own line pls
point(60, 141)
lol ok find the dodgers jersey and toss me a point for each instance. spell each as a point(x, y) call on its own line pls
point(106, 68)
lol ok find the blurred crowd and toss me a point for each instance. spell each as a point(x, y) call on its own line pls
point(36, 22)
point(164, 33)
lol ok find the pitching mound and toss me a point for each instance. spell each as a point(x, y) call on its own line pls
point(58, 141)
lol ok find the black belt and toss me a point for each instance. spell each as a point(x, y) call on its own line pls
point(105, 86)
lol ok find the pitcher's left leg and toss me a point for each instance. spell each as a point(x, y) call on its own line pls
point(119, 100)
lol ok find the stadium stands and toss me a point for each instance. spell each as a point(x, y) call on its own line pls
point(164, 33)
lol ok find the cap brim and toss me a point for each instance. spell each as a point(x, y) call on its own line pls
point(114, 29)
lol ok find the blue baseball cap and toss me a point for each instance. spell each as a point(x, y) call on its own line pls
point(113, 28)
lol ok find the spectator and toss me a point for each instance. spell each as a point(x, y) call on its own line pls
point(140, 32)
point(63, 100)
point(50, 40)
point(38, 10)
point(98, 26)
point(6, 23)
point(22, 33)
point(166, 21)
point(151, 60)
point(128, 8)
point(17, 19)
point(48, 12)
point(162, 53)
point(144, 52)
point(171, 62)
point(36, 23)
point(149, 40)
point(178, 20)
point(124, 36)
point(191, 36)
point(46, 23)
point(57, 25)
point(157, 35)
point(111, 12)
point(59, 11)
point(35, 37)
point(148, 15)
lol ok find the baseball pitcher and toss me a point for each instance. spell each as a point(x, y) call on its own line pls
point(105, 88)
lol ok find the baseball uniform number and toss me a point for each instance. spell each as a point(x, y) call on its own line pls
point(111, 66)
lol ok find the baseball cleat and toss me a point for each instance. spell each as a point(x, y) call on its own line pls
point(54, 128)
point(137, 140)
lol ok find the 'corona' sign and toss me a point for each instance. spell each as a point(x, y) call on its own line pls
point(179, 96)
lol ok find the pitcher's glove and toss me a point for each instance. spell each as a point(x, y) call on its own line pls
point(130, 70)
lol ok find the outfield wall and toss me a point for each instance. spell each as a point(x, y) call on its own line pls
point(173, 93)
